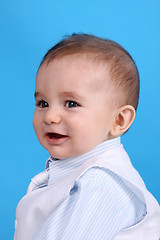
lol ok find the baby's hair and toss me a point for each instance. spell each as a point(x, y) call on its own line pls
point(122, 68)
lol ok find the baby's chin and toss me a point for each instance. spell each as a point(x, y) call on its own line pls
point(64, 152)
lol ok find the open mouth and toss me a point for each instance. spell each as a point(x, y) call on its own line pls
point(56, 136)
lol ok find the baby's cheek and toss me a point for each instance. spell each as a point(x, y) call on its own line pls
point(36, 123)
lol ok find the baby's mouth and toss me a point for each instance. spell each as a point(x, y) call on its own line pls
point(56, 135)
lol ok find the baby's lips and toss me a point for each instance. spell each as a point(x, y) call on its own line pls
point(56, 135)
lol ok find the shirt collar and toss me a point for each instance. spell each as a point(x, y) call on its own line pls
point(60, 168)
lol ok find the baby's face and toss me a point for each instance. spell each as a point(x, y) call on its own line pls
point(74, 111)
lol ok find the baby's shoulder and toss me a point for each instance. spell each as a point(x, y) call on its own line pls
point(101, 175)
point(105, 180)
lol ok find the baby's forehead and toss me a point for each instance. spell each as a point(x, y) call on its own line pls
point(83, 67)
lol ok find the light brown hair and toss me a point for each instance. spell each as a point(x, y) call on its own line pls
point(123, 71)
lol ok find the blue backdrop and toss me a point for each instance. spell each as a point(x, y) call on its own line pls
point(28, 28)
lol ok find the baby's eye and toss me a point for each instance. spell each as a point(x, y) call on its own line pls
point(42, 104)
point(71, 104)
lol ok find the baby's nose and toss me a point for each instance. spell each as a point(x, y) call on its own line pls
point(52, 116)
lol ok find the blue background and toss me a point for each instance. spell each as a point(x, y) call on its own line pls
point(28, 29)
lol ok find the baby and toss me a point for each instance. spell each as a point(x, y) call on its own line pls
point(87, 91)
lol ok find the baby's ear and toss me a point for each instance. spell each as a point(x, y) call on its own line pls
point(124, 117)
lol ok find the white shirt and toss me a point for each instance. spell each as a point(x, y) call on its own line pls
point(99, 205)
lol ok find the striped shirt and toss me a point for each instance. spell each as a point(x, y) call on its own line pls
point(99, 205)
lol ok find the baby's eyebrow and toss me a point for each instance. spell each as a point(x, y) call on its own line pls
point(73, 94)
point(37, 94)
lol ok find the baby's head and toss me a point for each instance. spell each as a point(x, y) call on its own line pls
point(87, 91)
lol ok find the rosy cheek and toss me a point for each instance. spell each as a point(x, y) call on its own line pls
point(35, 122)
